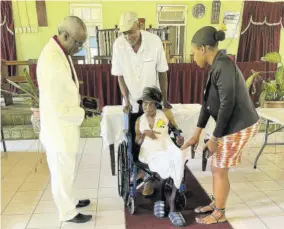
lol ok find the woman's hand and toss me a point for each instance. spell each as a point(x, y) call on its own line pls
point(151, 134)
point(193, 141)
point(211, 145)
point(179, 140)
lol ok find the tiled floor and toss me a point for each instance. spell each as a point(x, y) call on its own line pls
point(256, 199)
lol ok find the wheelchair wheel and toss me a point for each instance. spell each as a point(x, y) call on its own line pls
point(122, 171)
point(131, 205)
point(119, 171)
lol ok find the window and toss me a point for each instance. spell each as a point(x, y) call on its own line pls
point(174, 18)
point(91, 14)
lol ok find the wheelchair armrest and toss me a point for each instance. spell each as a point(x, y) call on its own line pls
point(176, 132)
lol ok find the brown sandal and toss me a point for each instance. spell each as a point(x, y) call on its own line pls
point(212, 206)
point(217, 219)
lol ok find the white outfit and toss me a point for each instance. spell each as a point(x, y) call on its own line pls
point(161, 154)
point(139, 69)
point(60, 118)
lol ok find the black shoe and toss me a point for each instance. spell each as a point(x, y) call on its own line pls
point(80, 218)
point(83, 203)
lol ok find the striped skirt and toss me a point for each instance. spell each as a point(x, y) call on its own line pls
point(229, 150)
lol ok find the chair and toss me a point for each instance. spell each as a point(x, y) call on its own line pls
point(105, 40)
point(161, 32)
point(128, 163)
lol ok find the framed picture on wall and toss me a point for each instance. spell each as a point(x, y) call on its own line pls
point(215, 14)
point(142, 23)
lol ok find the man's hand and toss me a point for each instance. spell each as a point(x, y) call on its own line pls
point(151, 134)
point(193, 141)
point(179, 140)
point(167, 105)
point(127, 108)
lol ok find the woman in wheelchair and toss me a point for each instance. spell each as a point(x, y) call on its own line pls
point(158, 150)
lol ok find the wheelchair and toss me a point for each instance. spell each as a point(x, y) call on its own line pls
point(128, 163)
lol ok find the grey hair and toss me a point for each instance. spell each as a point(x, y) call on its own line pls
point(71, 23)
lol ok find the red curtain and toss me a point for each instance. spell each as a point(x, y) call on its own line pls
point(8, 44)
point(257, 40)
point(186, 81)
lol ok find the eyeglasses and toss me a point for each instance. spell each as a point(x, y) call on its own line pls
point(78, 43)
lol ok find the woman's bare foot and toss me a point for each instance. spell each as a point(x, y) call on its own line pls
point(218, 216)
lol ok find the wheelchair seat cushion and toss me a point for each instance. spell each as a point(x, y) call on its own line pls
point(159, 209)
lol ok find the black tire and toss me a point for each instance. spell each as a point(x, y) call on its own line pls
point(131, 205)
point(125, 173)
point(119, 171)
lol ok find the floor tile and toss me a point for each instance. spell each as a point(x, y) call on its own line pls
point(47, 195)
point(103, 218)
point(268, 185)
point(255, 177)
point(238, 211)
point(273, 222)
point(44, 220)
point(14, 221)
point(254, 197)
point(20, 208)
point(265, 210)
point(244, 187)
point(86, 193)
point(110, 204)
point(46, 207)
point(33, 186)
point(30, 196)
point(108, 182)
point(108, 193)
point(247, 223)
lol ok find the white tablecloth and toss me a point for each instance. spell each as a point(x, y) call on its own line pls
point(186, 116)
point(273, 114)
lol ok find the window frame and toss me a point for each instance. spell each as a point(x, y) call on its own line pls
point(89, 23)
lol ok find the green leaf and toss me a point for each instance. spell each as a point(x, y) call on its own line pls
point(21, 88)
point(250, 79)
point(30, 82)
point(272, 57)
point(271, 87)
point(279, 77)
point(262, 98)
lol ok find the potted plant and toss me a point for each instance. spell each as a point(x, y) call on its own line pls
point(29, 88)
point(272, 90)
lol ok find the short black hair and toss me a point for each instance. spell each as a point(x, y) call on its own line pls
point(208, 35)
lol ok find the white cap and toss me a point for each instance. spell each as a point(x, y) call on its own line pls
point(127, 20)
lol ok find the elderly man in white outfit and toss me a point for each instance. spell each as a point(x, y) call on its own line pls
point(139, 61)
point(61, 114)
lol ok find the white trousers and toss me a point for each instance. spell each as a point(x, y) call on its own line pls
point(62, 172)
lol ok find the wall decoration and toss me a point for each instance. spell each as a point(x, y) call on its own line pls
point(215, 14)
point(198, 11)
point(142, 23)
point(231, 20)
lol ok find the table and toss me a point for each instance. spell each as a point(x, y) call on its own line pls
point(112, 125)
point(272, 115)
